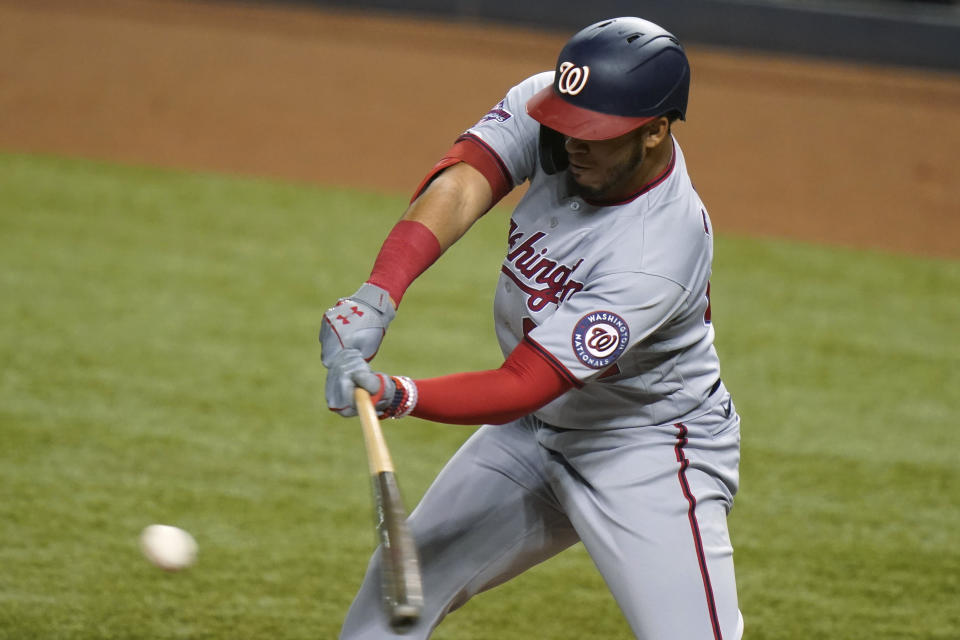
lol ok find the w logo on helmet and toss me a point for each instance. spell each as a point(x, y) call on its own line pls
point(572, 78)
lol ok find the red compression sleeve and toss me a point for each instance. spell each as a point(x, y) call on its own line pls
point(523, 384)
point(406, 253)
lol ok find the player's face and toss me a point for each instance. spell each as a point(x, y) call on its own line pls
point(605, 169)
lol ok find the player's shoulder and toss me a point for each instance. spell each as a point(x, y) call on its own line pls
point(508, 131)
point(665, 232)
point(536, 82)
point(514, 103)
point(518, 95)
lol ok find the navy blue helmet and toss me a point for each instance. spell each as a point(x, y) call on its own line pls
point(613, 77)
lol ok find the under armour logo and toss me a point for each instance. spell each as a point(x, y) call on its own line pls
point(572, 78)
point(354, 311)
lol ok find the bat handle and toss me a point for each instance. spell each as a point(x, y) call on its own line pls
point(378, 455)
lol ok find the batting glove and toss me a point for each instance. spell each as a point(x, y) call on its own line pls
point(392, 396)
point(358, 322)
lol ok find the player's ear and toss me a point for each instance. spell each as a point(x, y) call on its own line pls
point(553, 154)
point(655, 131)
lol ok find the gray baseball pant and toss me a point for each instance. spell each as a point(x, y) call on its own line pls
point(649, 504)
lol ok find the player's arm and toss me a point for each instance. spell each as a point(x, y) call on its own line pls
point(455, 193)
point(451, 203)
point(459, 189)
point(448, 205)
point(526, 381)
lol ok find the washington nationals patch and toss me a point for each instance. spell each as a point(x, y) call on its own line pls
point(600, 338)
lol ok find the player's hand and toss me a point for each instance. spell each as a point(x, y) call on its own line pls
point(349, 370)
point(358, 322)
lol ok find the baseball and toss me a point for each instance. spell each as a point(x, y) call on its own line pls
point(169, 548)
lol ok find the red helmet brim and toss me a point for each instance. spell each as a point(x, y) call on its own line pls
point(550, 110)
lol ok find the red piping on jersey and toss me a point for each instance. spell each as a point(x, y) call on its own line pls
point(493, 155)
point(695, 529)
point(528, 326)
point(550, 358)
point(647, 187)
point(479, 155)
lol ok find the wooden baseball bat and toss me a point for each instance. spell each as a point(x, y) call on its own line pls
point(401, 581)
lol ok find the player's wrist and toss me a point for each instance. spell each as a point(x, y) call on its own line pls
point(403, 400)
point(378, 299)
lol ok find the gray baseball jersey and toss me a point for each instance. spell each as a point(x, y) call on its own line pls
point(615, 295)
point(639, 461)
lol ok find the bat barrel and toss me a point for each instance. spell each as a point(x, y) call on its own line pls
point(400, 566)
point(402, 587)
point(404, 617)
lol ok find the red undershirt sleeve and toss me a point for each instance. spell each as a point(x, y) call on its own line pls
point(475, 152)
point(523, 384)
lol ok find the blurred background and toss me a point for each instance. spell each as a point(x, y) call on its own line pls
point(908, 32)
point(833, 122)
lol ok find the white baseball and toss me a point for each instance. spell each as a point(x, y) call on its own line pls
point(169, 548)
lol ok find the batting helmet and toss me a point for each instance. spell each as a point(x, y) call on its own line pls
point(613, 77)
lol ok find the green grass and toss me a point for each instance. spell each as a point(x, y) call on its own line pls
point(159, 363)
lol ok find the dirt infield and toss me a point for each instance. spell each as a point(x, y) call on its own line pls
point(844, 154)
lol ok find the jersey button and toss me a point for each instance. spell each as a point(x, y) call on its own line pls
point(575, 205)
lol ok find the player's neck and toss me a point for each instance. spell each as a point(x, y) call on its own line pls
point(654, 163)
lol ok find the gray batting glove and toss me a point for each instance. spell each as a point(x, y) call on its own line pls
point(358, 322)
point(349, 370)
point(392, 396)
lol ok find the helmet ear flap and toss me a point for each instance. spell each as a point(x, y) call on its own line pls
point(553, 154)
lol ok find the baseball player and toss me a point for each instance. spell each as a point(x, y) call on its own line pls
point(608, 422)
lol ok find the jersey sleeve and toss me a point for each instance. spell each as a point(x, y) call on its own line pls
point(509, 133)
point(594, 328)
point(474, 152)
point(502, 146)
